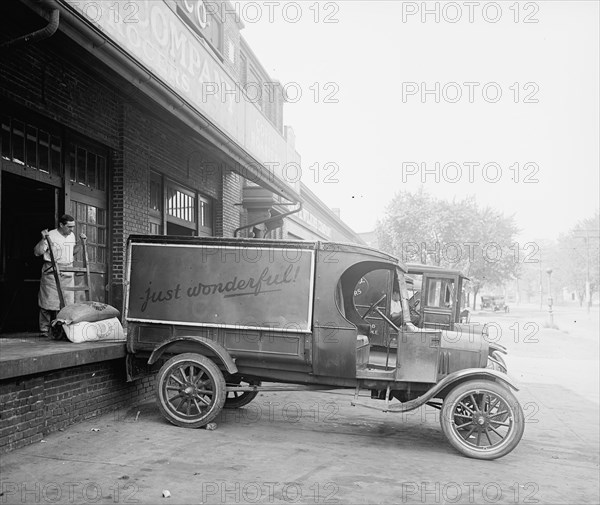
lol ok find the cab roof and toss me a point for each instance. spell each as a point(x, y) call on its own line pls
point(341, 247)
point(417, 268)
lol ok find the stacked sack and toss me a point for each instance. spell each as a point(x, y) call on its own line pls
point(90, 322)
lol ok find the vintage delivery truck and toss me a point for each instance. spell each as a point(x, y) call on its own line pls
point(221, 316)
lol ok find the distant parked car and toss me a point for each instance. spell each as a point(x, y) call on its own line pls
point(495, 303)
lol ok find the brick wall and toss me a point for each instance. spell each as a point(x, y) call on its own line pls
point(31, 407)
point(46, 79)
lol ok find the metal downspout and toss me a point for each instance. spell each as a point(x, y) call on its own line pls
point(44, 33)
point(268, 220)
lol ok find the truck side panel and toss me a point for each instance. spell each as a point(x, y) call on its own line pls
point(222, 286)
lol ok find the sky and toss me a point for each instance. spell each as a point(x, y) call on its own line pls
point(499, 100)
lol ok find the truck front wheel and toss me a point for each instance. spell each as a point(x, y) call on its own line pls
point(190, 390)
point(482, 419)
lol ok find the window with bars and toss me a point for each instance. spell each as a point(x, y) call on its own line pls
point(91, 220)
point(182, 210)
point(181, 204)
point(31, 146)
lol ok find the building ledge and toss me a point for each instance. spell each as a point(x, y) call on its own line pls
point(25, 354)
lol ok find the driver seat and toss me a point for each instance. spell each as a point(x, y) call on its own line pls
point(362, 345)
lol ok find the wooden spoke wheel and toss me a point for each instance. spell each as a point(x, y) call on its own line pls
point(237, 399)
point(190, 390)
point(482, 419)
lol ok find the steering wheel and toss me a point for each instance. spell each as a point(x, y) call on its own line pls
point(364, 316)
point(414, 309)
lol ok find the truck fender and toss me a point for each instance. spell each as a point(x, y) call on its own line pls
point(452, 380)
point(442, 388)
point(203, 343)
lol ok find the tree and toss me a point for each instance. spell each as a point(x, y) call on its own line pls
point(576, 258)
point(459, 234)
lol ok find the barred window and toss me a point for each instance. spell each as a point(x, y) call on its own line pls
point(181, 210)
point(181, 204)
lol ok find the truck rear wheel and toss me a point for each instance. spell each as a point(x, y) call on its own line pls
point(482, 419)
point(190, 390)
point(237, 399)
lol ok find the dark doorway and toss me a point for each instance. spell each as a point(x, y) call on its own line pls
point(28, 206)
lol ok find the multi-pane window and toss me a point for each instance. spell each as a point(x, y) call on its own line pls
point(205, 218)
point(91, 221)
point(182, 210)
point(155, 211)
point(213, 31)
point(243, 69)
point(255, 89)
point(87, 168)
point(31, 146)
point(181, 204)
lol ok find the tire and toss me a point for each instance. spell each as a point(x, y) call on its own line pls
point(483, 433)
point(190, 390)
point(235, 400)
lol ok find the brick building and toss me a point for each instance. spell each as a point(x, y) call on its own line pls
point(151, 117)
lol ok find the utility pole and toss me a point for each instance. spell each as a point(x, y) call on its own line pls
point(588, 295)
point(541, 284)
point(550, 315)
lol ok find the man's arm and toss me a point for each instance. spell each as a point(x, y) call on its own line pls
point(79, 245)
point(42, 246)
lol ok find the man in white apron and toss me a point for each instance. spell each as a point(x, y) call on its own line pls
point(64, 247)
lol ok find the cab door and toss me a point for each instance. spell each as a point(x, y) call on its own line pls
point(439, 302)
point(369, 289)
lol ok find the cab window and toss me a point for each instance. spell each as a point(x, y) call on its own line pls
point(440, 293)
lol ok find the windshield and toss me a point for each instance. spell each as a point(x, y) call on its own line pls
point(399, 278)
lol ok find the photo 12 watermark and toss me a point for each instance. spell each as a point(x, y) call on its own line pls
point(470, 12)
point(202, 12)
point(12, 492)
point(469, 492)
point(454, 172)
point(431, 415)
point(268, 492)
point(269, 92)
point(454, 253)
point(251, 12)
point(452, 92)
point(290, 412)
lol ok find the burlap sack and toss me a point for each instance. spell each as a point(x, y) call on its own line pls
point(86, 311)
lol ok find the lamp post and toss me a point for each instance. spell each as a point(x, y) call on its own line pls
point(550, 315)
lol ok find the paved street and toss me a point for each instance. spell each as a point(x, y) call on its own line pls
point(315, 448)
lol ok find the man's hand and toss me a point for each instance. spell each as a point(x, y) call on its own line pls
point(83, 236)
point(45, 233)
